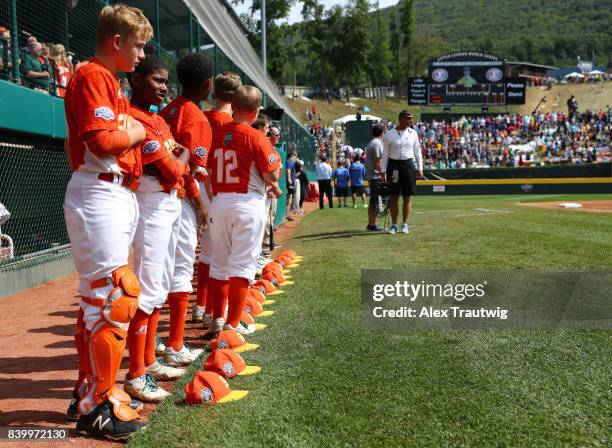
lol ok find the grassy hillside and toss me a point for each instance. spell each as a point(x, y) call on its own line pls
point(546, 31)
point(588, 97)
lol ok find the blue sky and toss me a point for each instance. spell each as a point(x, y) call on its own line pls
point(295, 15)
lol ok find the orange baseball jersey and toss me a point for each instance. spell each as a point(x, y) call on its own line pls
point(158, 144)
point(217, 119)
point(94, 102)
point(240, 156)
point(190, 128)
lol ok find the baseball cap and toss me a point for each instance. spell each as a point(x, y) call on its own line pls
point(257, 294)
point(264, 286)
point(228, 364)
point(211, 388)
point(254, 308)
point(246, 320)
point(272, 266)
point(291, 254)
point(232, 339)
point(283, 260)
point(275, 277)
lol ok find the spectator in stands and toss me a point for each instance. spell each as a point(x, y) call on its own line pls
point(357, 173)
point(5, 53)
point(37, 72)
point(63, 68)
point(303, 178)
point(291, 178)
point(341, 178)
point(324, 174)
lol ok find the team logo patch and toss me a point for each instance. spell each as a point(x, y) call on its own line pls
point(151, 147)
point(228, 138)
point(228, 368)
point(222, 344)
point(206, 395)
point(200, 151)
point(105, 113)
point(272, 158)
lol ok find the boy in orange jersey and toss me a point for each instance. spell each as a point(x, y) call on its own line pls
point(225, 86)
point(155, 240)
point(101, 214)
point(243, 167)
point(191, 129)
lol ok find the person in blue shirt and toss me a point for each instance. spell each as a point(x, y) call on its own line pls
point(357, 174)
point(341, 176)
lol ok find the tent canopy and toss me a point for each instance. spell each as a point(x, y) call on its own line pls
point(353, 117)
point(220, 24)
point(574, 75)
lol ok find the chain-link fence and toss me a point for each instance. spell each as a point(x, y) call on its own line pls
point(33, 179)
point(53, 36)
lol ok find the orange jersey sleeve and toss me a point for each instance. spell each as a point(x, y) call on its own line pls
point(94, 102)
point(266, 157)
point(190, 127)
point(156, 149)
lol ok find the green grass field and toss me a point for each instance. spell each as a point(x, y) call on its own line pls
point(330, 381)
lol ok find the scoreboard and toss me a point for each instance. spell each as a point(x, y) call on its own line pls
point(477, 94)
point(466, 78)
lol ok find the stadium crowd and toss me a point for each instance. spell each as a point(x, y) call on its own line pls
point(502, 140)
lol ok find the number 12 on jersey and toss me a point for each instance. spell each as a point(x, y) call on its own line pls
point(227, 162)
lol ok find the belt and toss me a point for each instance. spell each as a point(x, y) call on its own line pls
point(131, 183)
point(401, 160)
point(180, 192)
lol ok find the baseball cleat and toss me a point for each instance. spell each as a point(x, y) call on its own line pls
point(73, 409)
point(197, 312)
point(240, 329)
point(160, 345)
point(145, 388)
point(101, 422)
point(218, 325)
point(163, 372)
point(183, 357)
point(207, 321)
point(405, 228)
point(393, 229)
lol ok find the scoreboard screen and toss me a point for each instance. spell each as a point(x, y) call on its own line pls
point(467, 77)
point(494, 94)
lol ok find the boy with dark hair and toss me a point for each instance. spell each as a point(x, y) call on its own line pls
point(191, 129)
point(155, 240)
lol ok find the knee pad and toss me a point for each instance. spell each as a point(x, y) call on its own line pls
point(122, 302)
point(106, 347)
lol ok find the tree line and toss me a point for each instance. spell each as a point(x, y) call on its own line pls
point(363, 46)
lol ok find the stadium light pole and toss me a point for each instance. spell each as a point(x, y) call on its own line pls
point(264, 60)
